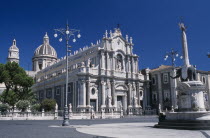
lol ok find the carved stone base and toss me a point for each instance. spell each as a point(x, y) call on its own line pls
point(81, 108)
point(191, 96)
point(130, 110)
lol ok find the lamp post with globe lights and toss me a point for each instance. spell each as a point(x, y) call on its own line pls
point(173, 55)
point(66, 33)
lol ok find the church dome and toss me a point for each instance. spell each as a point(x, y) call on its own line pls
point(45, 49)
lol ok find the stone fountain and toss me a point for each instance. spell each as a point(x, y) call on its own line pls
point(191, 112)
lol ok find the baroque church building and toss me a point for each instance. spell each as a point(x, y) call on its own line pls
point(104, 76)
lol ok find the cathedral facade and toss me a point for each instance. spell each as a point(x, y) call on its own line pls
point(104, 76)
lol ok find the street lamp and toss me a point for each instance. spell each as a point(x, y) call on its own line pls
point(66, 33)
point(173, 55)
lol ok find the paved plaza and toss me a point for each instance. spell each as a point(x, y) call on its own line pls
point(128, 127)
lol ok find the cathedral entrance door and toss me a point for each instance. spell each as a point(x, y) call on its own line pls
point(119, 102)
point(93, 103)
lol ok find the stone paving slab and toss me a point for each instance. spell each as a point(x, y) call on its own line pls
point(139, 130)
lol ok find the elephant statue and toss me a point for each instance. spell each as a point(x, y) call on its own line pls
point(191, 74)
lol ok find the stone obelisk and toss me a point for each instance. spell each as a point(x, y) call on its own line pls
point(185, 51)
point(184, 45)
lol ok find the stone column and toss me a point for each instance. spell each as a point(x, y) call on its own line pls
point(43, 63)
point(113, 92)
point(130, 110)
point(198, 77)
point(102, 60)
point(103, 93)
point(88, 93)
point(129, 94)
point(138, 94)
point(108, 61)
point(82, 93)
point(137, 65)
point(113, 62)
point(159, 81)
point(132, 65)
point(109, 94)
point(173, 89)
point(145, 95)
point(36, 65)
point(134, 89)
point(124, 64)
point(128, 64)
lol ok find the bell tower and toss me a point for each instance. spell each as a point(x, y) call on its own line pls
point(13, 53)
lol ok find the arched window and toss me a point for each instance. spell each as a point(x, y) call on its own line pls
point(40, 66)
point(141, 93)
point(119, 62)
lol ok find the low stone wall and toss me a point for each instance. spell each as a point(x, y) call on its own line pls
point(28, 116)
point(54, 115)
point(95, 115)
point(17, 115)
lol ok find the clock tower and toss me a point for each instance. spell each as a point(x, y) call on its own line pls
point(13, 53)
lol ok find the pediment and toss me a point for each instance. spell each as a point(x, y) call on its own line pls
point(119, 44)
point(121, 87)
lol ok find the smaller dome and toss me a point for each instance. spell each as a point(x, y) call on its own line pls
point(13, 47)
point(45, 49)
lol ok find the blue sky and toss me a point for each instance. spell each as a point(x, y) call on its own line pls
point(153, 24)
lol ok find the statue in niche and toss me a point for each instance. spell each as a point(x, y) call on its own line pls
point(119, 66)
point(109, 100)
point(119, 62)
point(89, 63)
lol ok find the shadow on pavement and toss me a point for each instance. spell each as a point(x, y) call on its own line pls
point(205, 134)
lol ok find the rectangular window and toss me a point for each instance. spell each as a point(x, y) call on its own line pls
point(58, 91)
point(166, 95)
point(165, 78)
point(153, 81)
point(49, 93)
point(41, 94)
